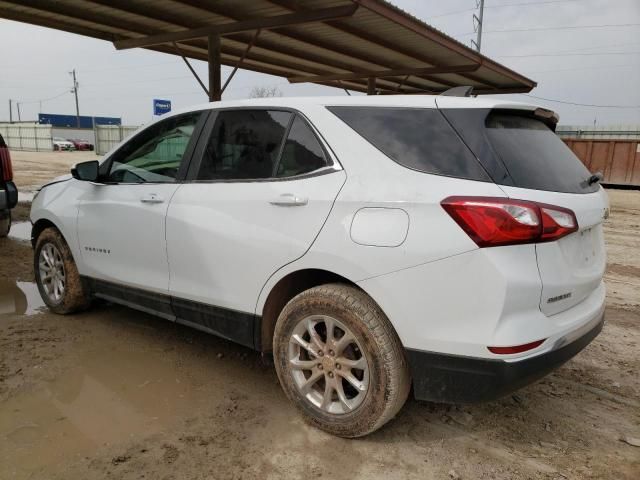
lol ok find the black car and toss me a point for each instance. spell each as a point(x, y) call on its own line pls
point(8, 190)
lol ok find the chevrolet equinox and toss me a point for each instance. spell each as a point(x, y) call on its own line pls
point(371, 244)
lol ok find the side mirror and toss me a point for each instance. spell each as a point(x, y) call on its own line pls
point(86, 171)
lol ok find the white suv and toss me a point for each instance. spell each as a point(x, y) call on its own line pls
point(371, 243)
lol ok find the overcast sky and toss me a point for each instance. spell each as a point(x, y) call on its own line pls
point(596, 66)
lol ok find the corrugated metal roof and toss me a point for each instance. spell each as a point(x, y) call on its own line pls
point(376, 38)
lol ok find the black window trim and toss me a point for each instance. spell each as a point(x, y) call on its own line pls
point(186, 159)
point(198, 154)
point(283, 142)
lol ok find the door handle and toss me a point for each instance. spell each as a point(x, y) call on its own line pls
point(289, 200)
point(152, 198)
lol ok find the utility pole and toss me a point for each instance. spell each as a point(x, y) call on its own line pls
point(10, 111)
point(477, 25)
point(18, 107)
point(74, 90)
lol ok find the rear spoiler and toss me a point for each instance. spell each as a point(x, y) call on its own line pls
point(547, 116)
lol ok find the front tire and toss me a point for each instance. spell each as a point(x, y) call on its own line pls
point(59, 282)
point(340, 361)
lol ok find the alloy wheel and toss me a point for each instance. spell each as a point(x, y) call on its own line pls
point(52, 273)
point(328, 364)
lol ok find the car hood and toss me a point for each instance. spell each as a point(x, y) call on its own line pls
point(61, 178)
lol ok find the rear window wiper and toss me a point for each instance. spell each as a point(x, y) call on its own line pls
point(596, 177)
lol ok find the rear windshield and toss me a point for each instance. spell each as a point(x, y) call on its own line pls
point(534, 155)
point(417, 138)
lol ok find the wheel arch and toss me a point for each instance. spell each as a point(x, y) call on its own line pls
point(39, 227)
point(285, 289)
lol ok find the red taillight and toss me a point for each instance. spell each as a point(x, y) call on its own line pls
point(492, 222)
point(556, 222)
point(6, 172)
point(516, 348)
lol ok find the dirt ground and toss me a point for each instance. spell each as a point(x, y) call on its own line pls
point(120, 394)
point(31, 170)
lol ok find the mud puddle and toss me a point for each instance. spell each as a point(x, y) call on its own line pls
point(20, 231)
point(107, 397)
point(116, 382)
point(20, 298)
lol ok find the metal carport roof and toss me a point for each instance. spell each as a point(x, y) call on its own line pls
point(363, 45)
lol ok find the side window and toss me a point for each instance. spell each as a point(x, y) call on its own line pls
point(417, 138)
point(302, 152)
point(155, 154)
point(244, 144)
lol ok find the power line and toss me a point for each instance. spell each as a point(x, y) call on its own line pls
point(581, 104)
point(599, 46)
point(24, 102)
point(457, 12)
point(566, 54)
point(574, 50)
point(128, 67)
point(566, 27)
point(451, 13)
point(132, 82)
point(536, 29)
point(522, 4)
point(605, 67)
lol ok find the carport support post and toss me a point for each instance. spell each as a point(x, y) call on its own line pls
point(371, 86)
point(215, 84)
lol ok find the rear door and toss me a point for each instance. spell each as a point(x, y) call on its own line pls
point(538, 166)
point(259, 195)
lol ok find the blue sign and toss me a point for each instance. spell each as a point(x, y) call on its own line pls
point(161, 107)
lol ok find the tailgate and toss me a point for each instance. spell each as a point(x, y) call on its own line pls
point(530, 162)
point(572, 267)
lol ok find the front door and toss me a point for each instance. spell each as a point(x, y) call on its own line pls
point(121, 220)
point(261, 193)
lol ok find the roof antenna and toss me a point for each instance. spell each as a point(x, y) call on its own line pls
point(462, 91)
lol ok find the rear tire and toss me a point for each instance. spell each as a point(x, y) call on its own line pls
point(340, 361)
point(57, 276)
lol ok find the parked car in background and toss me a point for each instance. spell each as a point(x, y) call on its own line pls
point(8, 190)
point(372, 244)
point(60, 143)
point(80, 144)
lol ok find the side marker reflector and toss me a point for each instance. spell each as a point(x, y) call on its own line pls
point(516, 348)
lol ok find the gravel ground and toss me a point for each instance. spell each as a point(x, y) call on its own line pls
point(118, 393)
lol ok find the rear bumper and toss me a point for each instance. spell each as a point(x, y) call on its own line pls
point(457, 379)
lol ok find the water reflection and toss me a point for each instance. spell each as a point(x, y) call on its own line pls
point(20, 298)
point(108, 396)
